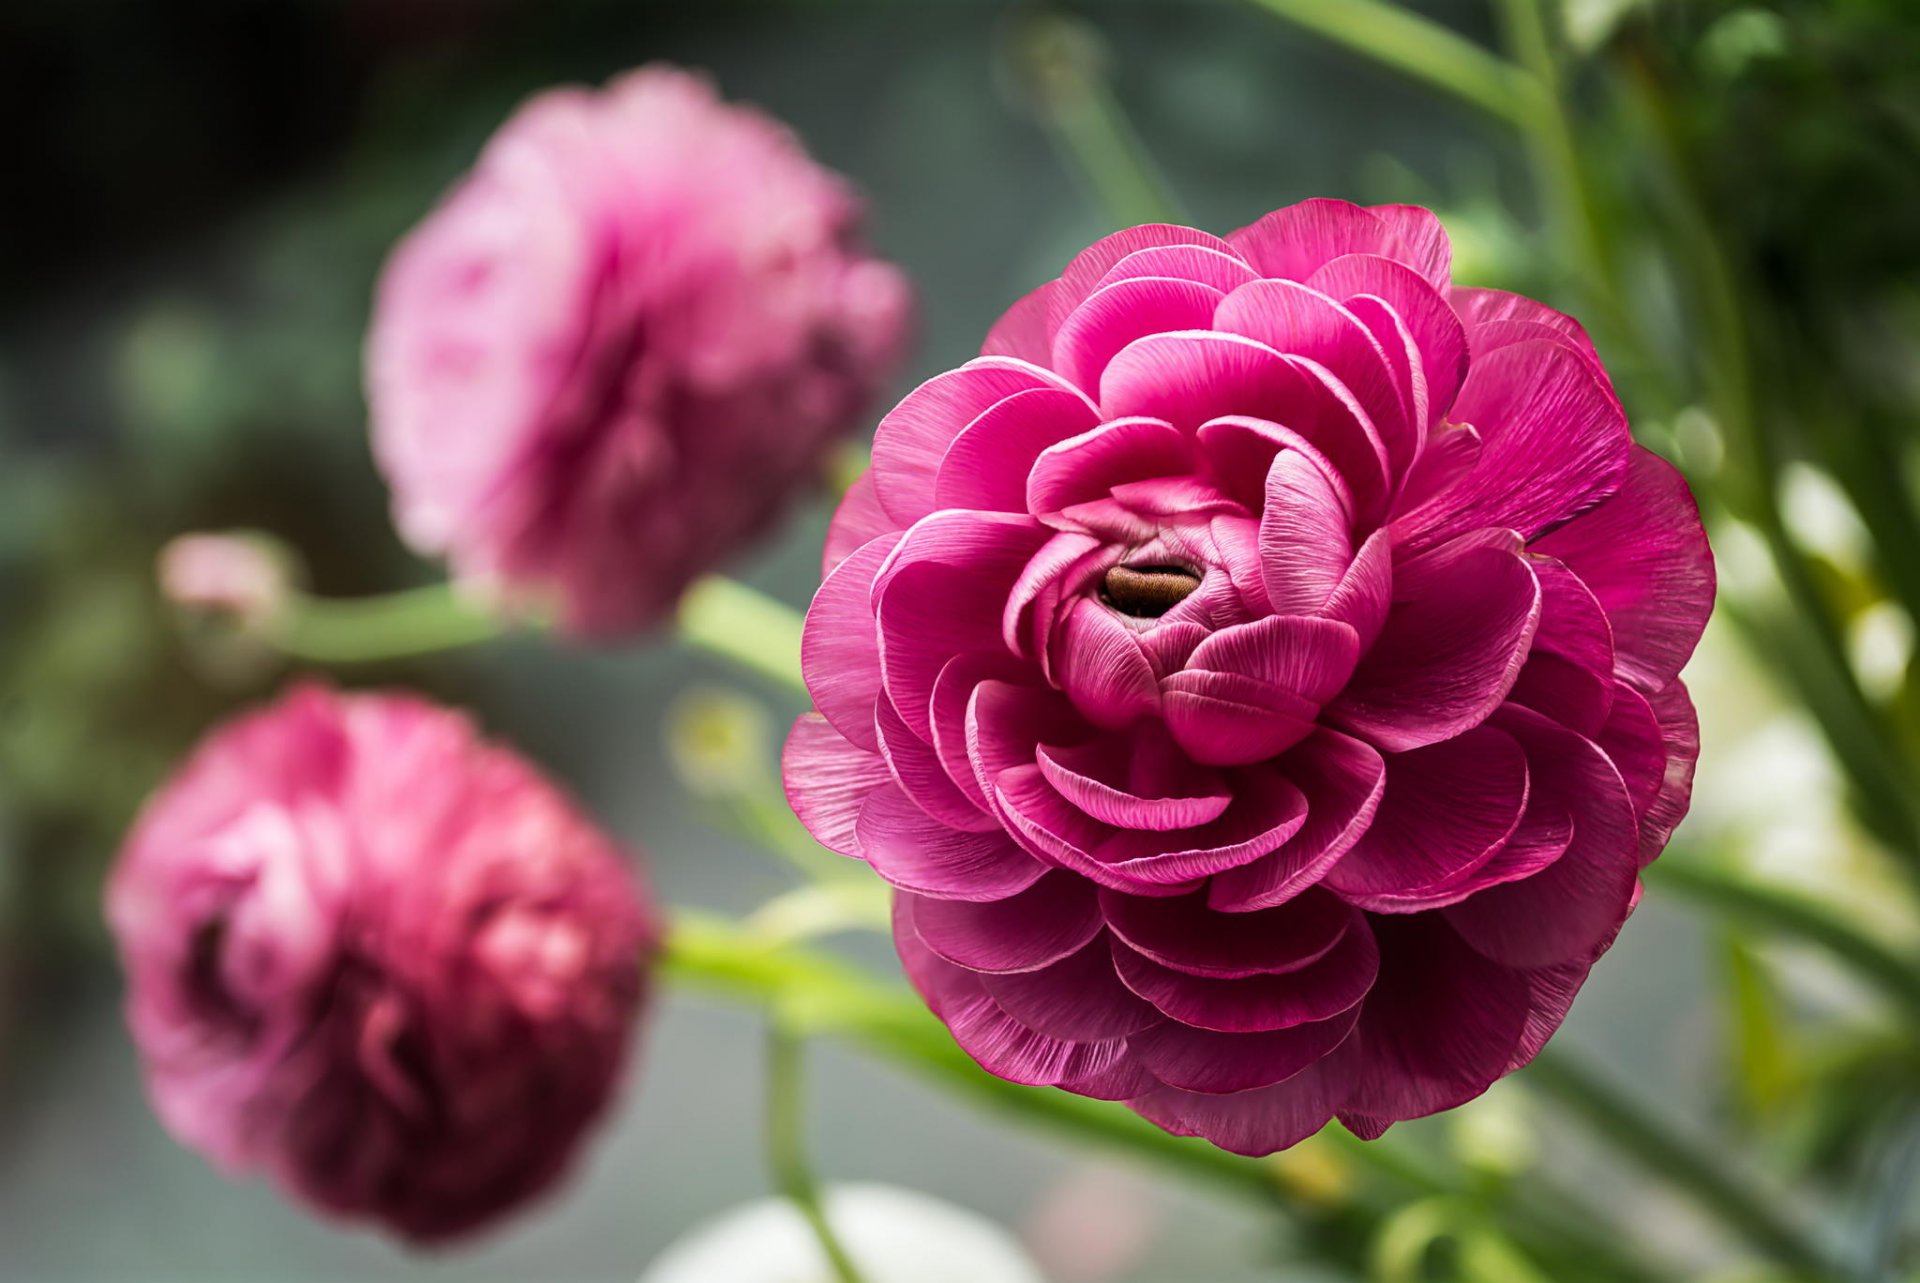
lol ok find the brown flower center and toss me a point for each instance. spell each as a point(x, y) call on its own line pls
point(1147, 592)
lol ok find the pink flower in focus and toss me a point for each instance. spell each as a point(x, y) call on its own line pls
point(378, 959)
point(1257, 674)
point(620, 344)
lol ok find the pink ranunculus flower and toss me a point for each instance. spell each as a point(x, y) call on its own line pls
point(617, 348)
point(379, 960)
point(1257, 673)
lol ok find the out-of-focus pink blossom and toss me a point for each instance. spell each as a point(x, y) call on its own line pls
point(618, 347)
point(1258, 675)
point(379, 960)
point(231, 574)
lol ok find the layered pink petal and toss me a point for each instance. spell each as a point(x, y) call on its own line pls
point(1566, 909)
point(1446, 810)
point(1118, 313)
point(839, 649)
point(1440, 1024)
point(1449, 651)
point(1553, 443)
point(1320, 990)
point(917, 853)
point(1039, 925)
point(1187, 934)
point(1645, 557)
point(914, 437)
point(1295, 242)
point(986, 466)
point(828, 779)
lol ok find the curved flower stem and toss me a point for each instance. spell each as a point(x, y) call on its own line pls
point(364, 630)
point(1056, 60)
point(1423, 50)
point(745, 626)
point(787, 1151)
point(814, 994)
point(1621, 1123)
point(1788, 914)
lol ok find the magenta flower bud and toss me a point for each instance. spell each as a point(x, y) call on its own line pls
point(378, 960)
point(620, 345)
point(1258, 675)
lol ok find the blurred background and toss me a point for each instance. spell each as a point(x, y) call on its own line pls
point(200, 197)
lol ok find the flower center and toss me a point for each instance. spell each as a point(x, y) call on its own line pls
point(1147, 592)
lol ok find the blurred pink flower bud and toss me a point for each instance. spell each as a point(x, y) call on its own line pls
point(228, 573)
point(379, 960)
point(621, 344)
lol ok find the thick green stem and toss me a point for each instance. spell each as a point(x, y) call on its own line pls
point(1652, 1143)
point(1421, 49)
point(787, 1147)
point(821, 995)
point(1786, 914)
point(364, 630)
point(744, 626)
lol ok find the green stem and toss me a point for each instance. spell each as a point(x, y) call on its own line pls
point(744, 626)
point(822, 996)
point(787, 1149)
point(1558, 172)
point(1621, 1123)
point(1057, 60)
point(1782, 912)
point(1421, 49)
point(362, 630)
point(1863, 742)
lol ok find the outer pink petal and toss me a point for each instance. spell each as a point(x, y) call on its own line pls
point(1201, 1060)
point(914, 436)
point(840, 646)
point(1222, 270)
point(1090, 266)
point(1645, 556)
point(1318, 991)
point(1022, 332)
point(1079, 997)
point(857, 521)
point(828, 780)
point(1294, 242)
point(1033, 928)
point(1568, 908)
point(1440, 1025)
point(1116, 314)
point(986, 466)
point(1553, 444)
point(917, 853)
point(1481, 308)
point(1262, 1121)
point(1003, 1045)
